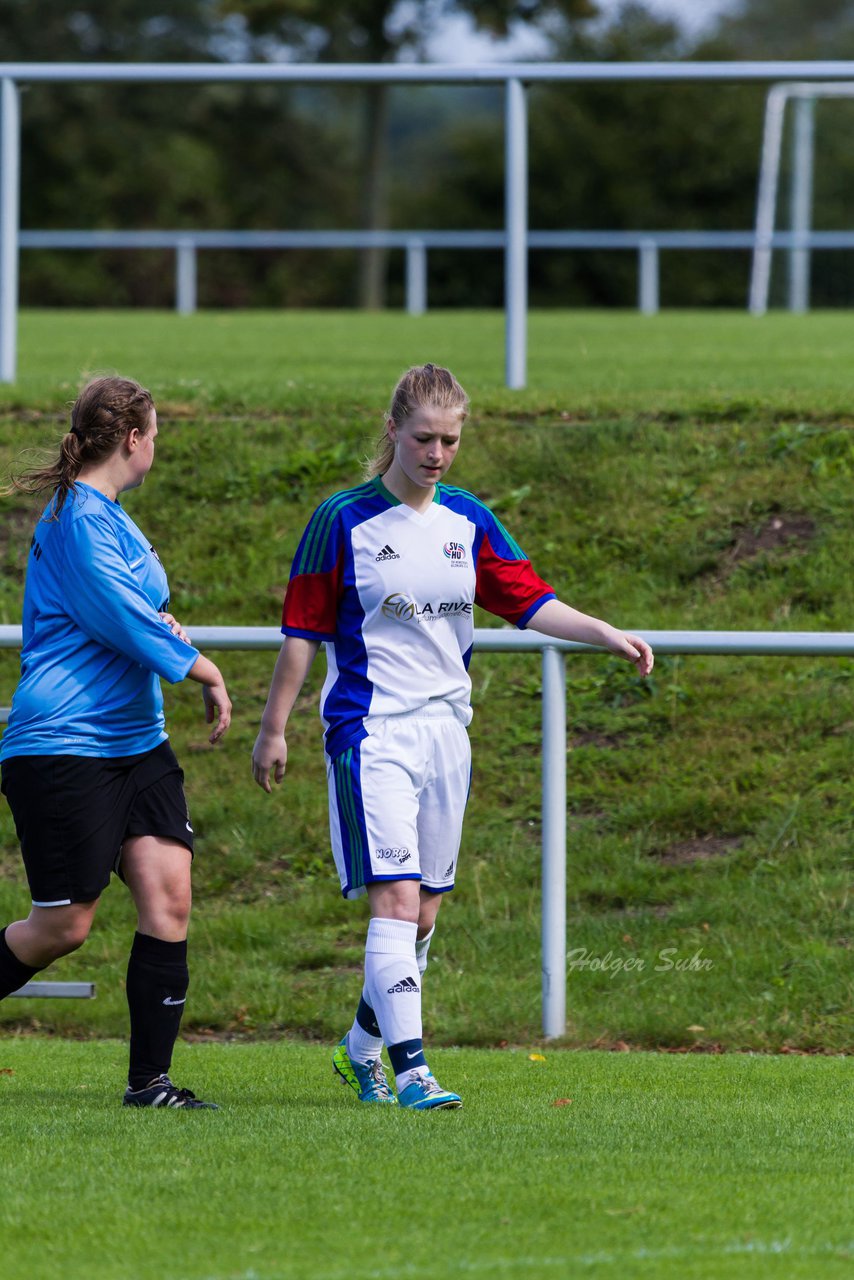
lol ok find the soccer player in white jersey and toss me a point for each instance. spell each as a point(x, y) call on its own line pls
point(92, 782)
point(386, 576)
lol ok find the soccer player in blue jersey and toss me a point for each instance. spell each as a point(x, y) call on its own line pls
point(92, 782)
point(386, 576)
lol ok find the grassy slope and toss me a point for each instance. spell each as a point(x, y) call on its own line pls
point(643, 472)
point(652, 1166)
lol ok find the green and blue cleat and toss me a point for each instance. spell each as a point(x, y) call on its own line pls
point(366, 1078)
point(424, 1093)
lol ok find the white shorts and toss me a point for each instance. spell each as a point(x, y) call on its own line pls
point(397, 800)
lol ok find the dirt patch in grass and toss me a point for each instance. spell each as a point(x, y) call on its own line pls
point(593, 738)
point(793, 531)
point(697, 849)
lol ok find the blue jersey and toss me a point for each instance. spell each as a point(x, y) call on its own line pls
point(94, 646)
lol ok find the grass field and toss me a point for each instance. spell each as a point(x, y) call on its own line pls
point(710, 811)
point(582, 1164)
point(677, 471)
point(583, 363)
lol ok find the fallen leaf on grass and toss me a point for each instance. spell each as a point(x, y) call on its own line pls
point(562, 1102)
point(695, 1027)
point(6, 1071)
point(536, 1057)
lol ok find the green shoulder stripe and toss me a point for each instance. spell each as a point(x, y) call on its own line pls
point(320, 525)
point(452, 491)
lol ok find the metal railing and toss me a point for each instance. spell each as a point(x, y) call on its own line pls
point(514, 77)
point(416, 245)
point(504, 640)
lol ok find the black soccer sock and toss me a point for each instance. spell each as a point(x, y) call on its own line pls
point(366, 1018)
point(156, 990)
point(13, 972)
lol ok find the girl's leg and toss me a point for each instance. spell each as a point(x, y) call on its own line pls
point(26, 946)
point(364, 1039)
point(157, 872)
point(392, 982)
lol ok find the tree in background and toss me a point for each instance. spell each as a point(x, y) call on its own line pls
point(267, 156)
point(608, 156)
point(382, 31)
point(789, 29)
point(159, 156)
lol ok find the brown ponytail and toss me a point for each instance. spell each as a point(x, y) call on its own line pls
point(101, 417)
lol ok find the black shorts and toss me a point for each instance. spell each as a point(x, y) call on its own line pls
point(73, 814)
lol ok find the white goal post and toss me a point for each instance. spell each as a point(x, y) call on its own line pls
point(803, 94)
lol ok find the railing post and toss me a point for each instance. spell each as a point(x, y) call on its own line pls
point(416, 277)
point(516, 233)
point(10, 186)
point(185, 276)
point(554, 843)
point(766, 200)
point(803, 145)
point(648, 278)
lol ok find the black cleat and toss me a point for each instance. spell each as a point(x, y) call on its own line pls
point(162, 1093)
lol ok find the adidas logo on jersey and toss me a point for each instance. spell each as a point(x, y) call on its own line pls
point(448, 872)
point(388, 553)
point(405, 984)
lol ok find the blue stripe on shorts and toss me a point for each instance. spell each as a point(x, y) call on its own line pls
point(351, 817)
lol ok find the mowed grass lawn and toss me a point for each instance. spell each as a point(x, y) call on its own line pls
point(578, 1164)
point(582, 362)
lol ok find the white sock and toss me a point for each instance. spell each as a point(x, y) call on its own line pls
point(422, 946)
point(392, 979)
point(363, 1044)
point(405, 1077)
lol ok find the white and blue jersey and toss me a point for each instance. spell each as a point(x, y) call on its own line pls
point(391, 593)
point(94, 645)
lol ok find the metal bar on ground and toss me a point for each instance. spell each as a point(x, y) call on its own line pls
point(57, 991)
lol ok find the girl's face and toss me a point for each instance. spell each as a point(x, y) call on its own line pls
point(426, 444)
point(142, 454)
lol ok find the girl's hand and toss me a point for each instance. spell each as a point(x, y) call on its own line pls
point(638, 652)
point(217, 707)
point(175, 627)
point(270, 754)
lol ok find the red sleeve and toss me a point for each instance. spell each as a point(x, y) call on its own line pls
point(311, 604)
point(508, 588)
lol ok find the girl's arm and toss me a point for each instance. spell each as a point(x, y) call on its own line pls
point(217, 701)
point(554, 618)
point(270, 752)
